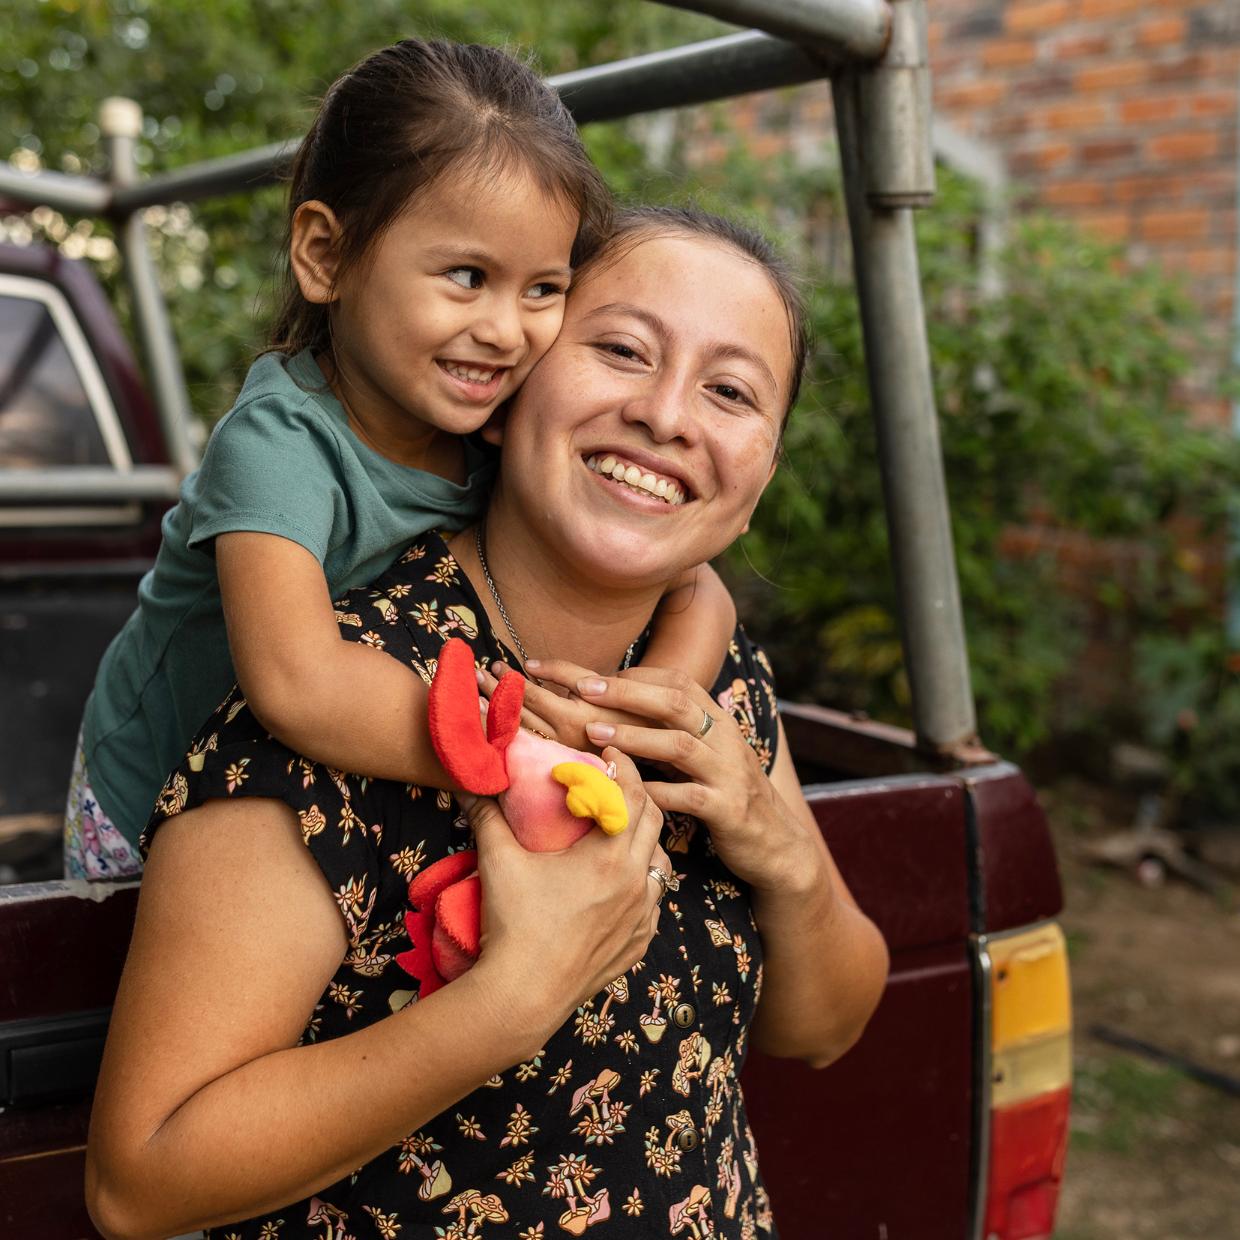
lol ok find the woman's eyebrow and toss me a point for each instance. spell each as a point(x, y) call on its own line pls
point(726, 352)
point(656, 324)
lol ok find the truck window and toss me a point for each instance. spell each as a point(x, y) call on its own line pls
point(55, 409)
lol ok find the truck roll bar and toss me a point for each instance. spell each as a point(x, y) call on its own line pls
point(875, 53)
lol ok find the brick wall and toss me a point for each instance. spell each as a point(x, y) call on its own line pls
point(1118, 113)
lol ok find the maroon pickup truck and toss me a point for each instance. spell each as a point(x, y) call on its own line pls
point(948, 1120)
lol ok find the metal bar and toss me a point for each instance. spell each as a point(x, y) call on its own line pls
point(696, 73)
point(87, 484)
point(233, 174)
point(77, 195)
point(910, 455)
point(120, 122)
point(853, 29)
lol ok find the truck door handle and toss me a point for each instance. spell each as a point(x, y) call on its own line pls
point(51, 1058)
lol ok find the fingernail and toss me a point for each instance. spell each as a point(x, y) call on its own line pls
point(591, 687)
point(479, 676)
point(611, 770)
point(600, 731)
point(533, 663)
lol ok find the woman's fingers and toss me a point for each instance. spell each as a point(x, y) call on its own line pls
point(688, 754)
point(669, 697)
point(645, 818)
point(559, 672)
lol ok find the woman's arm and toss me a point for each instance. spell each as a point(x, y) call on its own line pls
point(208, 1111)
point(826, 963)
point(693, 625)
point(341, 703)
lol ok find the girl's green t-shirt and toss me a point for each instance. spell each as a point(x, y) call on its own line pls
point(282, 461)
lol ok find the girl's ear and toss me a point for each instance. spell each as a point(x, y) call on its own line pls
point(314, 251)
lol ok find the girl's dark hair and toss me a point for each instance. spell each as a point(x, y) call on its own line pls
point(404, 117)
point(633, 225)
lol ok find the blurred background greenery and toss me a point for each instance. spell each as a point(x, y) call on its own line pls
point(1089, 510)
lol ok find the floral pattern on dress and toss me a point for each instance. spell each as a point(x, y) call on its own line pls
point(94, 847)
point(631, 1120)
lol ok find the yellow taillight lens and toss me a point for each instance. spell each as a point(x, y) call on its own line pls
point(1029, 987)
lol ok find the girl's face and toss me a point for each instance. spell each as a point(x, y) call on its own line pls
point(450, 309)
point(643, 440)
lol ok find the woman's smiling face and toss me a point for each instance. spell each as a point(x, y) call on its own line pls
point(642, 442)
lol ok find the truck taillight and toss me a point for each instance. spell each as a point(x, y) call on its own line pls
point(1030, 1082)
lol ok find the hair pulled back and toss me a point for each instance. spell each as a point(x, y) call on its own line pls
point(633, 225)
point(406, 116)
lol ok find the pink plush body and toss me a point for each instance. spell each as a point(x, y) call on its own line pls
point(533, 803)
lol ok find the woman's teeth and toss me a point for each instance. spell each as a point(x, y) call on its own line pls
point(639, 480)
point(472, 374)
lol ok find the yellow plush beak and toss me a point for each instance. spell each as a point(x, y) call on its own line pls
point(592, 795)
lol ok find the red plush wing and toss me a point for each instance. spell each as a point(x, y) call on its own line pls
point(504, 711)
point(443, 873)
point(455, 719)
point(418, 961)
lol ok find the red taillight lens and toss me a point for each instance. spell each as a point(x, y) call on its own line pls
point(1030, 1081)
point(1028, 1142)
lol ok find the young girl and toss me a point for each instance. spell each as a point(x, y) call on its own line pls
point(437, 206)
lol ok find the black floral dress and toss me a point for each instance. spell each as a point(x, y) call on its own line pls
point(630, 1121)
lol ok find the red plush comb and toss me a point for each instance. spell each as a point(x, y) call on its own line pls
point(473, 760)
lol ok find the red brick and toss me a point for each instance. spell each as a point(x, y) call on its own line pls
point(1074, 194)
point(1148, 189)
point(1009, 53)
point(1191, 68)
point(1175, 225)
point(1108, 152)
point(1160, 31)
point(1151, 108)
point(1109, 225)
point(1081, 47)
point(1183, 147)
point(1210, 261)
point(1214, 103)
point(1075, 116)
point(972, 94)
point(1040, 158)
point(1089, 10)
point(1112, 77)
point(1036, 14)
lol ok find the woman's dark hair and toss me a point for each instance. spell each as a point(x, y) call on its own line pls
point(404, 117)
point(633, 225)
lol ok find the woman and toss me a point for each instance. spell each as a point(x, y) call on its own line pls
point(264, 1049)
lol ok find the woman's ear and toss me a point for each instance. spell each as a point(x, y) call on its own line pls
point(314, 251)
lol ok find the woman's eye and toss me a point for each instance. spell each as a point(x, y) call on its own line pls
point(540, 292)
point(466, 277)
point(732, 395)
point(622, 351)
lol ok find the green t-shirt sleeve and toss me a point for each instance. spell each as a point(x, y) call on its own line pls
point(269, 468)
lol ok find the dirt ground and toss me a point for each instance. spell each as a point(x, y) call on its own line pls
point(1153, 1152)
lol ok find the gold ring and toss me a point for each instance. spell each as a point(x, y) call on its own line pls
point(708, 722)
point(669, 882)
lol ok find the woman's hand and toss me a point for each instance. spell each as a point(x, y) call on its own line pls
point(561, 716)
point(753, 831)
point(557, 927)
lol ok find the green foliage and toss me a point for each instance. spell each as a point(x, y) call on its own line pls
point(1055, 368)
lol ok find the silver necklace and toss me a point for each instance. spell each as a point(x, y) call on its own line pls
point(479, 540)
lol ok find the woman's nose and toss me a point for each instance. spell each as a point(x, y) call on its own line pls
point(663, 409)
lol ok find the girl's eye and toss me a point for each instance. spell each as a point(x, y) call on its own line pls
point(540, 292)
point(467, 277)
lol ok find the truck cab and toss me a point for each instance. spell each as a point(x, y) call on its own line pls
point(948, 1120)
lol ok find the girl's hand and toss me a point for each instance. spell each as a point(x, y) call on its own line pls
point(557, 927)
point(755, 834)
point(562, 717)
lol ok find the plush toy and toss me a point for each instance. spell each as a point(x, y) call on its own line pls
point(549, 794)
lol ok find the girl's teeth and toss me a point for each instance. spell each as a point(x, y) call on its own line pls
point(471, 373)
point(632, 476)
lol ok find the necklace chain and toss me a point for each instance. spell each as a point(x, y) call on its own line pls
point(479, 543)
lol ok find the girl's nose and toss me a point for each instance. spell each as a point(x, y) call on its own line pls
point(499, 325)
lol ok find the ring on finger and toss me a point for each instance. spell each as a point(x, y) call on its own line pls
point(708, 722)
point(669, 882)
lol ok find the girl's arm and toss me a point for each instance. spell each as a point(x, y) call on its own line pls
point(825, 961)
point(341, 703)
point(693, 625)
point(207, 1110)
